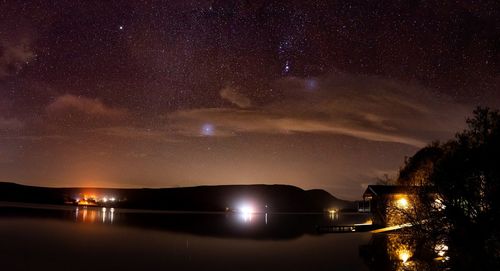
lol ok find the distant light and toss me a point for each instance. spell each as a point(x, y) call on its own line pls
point(112, 199)
point(77, 199)
point(105, 199)
point(333, 214)
point(112, 210)
point(247, 210)
point(104, 209)
point(120, 27)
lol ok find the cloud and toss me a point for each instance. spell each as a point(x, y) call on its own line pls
point(362, 107)
point(77, 104)
point(8, 121)
point(231, 94)
point(14, 54)
point(135, 133)
point(8, 124)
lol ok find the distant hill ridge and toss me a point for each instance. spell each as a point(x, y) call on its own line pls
point(277, 197)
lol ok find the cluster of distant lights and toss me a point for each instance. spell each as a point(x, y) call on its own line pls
point(86, 199)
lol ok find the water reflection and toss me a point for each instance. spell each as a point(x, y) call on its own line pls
point(333, 215)
point(94, 215)
point(222, 225)
point(61, 244)
point(246, 217)
point(404, 251)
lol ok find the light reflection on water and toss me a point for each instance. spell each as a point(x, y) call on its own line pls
point(265, 238)
point(405, 251)
point(94, 215)
point(52, 240)
point(246, 217)
point(87, 214)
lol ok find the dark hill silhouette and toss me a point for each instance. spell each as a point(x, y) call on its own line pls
point(277, 198)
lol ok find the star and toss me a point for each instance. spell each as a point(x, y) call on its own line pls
point(286, 67)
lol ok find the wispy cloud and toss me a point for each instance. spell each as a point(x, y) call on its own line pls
point(79, 104)
point(232, 95)
point(15, 50)
point(363, 107)
point(135, 133)
point(8, 124)
point(8, 121)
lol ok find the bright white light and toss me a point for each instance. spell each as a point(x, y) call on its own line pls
point(112, 199)
point(105, 199)
point(247, 210)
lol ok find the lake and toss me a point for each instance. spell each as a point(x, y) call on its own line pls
point(42, 237)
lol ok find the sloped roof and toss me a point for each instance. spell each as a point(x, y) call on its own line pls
point(379, 190)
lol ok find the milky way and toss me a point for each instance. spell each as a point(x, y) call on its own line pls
point(319, 94)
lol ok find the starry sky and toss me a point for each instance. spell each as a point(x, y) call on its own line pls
point(319, 94)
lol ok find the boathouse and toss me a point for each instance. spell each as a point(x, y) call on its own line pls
point(382, 200)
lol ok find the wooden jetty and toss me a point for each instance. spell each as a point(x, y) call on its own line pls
point(346, 228)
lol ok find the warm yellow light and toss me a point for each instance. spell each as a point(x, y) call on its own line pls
point(404, 255)
point(402, 203)
point(367, 222)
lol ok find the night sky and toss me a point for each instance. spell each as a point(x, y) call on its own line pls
point(319, 94)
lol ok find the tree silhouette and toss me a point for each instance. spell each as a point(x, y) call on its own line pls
point(467, 177)
point(463, 176)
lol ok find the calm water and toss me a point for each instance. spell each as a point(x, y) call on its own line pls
point(70, 238)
